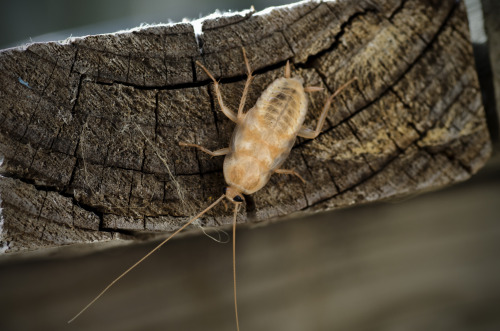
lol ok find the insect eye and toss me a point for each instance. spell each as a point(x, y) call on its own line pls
point(238, 198)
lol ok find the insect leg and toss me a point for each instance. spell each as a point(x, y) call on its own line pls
point(290, 172)
point(247, 85)
point(228, 112)
point(287, 69)
point(313, 89)
point(219, 152)
point(311, 134)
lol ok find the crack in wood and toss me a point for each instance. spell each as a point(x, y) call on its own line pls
point(374, 173)
point(395, 82)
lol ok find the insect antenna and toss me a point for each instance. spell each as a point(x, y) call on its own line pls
point(147, 255)
point(247, 84)
point(236, 207)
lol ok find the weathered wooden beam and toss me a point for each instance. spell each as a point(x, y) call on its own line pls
point(90, 126)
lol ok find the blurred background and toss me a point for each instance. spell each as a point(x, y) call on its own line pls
point(431, 262)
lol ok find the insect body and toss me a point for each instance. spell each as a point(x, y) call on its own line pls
point(261, 142)
point(265, 135)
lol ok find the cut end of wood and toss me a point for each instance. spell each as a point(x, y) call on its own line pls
point(90, 128)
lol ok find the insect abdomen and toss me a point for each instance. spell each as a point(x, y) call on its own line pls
point(263, 140)
point(281, 109)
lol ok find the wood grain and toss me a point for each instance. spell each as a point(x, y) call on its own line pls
point(90, 126)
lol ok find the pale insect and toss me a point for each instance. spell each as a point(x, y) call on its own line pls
point(261, 142)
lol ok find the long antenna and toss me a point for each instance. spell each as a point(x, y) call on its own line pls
point(146, 256)
point(234, 266)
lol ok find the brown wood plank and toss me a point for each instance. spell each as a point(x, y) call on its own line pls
point(92, 125)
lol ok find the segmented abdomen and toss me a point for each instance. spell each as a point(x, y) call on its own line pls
point(280, 110)
point(270, 127)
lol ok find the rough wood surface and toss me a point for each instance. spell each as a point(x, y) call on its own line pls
point(90, 127)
